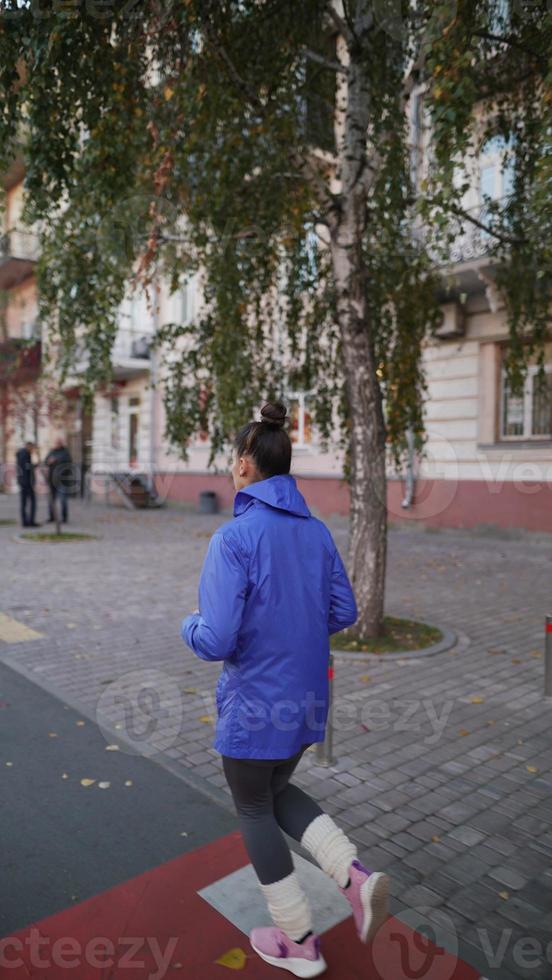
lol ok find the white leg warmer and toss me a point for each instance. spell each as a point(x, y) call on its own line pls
point(330, 847)
point(288, 906)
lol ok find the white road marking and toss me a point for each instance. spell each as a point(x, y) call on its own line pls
point(239, 899)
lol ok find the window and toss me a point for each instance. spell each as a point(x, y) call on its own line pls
point(496, 171)
point(301, 422)
point(318, 88)
point(30, 330)
point(311, 250)
point(204, 398)
point(114, 423)
point(186, 302)
point(496, 176)
point(182, 305)
point(513, 413)
point(527, 415)
point(499, 16)
point(541, 405)
point(136, 311)
point(133, 430)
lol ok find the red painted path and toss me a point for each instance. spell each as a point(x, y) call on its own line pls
point(125, 932)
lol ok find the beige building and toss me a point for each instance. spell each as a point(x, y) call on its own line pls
point(29, 410)
point(489, 453)
point(488, 456)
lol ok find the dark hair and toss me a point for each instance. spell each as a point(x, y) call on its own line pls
point(267, 441)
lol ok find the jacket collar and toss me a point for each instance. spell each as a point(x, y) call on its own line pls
point(279, 492)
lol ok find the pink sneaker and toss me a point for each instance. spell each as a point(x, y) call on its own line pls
point(368, 894)
point(301, 959)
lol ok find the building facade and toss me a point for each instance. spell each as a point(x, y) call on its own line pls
point(31, 407)
point(488, 456)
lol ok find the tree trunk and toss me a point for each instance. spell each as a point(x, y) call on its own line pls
point(368, 530)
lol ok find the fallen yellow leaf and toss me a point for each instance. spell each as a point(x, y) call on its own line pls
point(80, 723)
point(532, 769)
point(491, 721)
point(435, 839)
point(516, 660)
point(128, 782)
point(52, 734)
point(504, 895)
point(87, 782)
point(234, 959)
point(536, 653)
point(207, 720)
point(189, 690)
point(463, 732)
point(477, 699)
point(365, 677)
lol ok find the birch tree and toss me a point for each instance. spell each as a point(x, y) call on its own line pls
point(227, 136)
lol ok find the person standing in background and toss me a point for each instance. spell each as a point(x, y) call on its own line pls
point(60, 477)
point(26, 483)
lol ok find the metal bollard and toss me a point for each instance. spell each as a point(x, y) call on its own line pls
point(324, 749)
point(548, 659)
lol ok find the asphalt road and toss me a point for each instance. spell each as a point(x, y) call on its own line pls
point(63, 842)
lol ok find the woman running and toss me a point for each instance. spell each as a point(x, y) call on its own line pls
point(272, 589)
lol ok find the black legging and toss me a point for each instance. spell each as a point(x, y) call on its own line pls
point(266, 804)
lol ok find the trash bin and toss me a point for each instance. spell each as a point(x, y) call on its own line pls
point(208, 503)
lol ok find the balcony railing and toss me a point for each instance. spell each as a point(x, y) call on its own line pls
point(470, 242)
point(130, 344)
point(131, 353)
point(18, 253)
point(20, 360)
point(20, 245)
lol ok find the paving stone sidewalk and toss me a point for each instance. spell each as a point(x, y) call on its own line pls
point(443, 765)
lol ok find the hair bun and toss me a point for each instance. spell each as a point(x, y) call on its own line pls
point(274, 414)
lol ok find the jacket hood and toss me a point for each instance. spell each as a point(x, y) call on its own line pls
point(278, 491)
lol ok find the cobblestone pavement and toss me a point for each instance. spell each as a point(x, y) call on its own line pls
point(443, 772)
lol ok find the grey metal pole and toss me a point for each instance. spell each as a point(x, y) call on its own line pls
point(153, 390)
point(409, 492)
point(548, 659)
point(324, 750)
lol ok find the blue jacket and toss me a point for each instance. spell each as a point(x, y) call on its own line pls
point(272, 589)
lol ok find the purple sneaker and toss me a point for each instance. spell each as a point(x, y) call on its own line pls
point(368, 894)
point(301, 959)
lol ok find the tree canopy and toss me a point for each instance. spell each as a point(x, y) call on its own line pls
point(179, 136)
